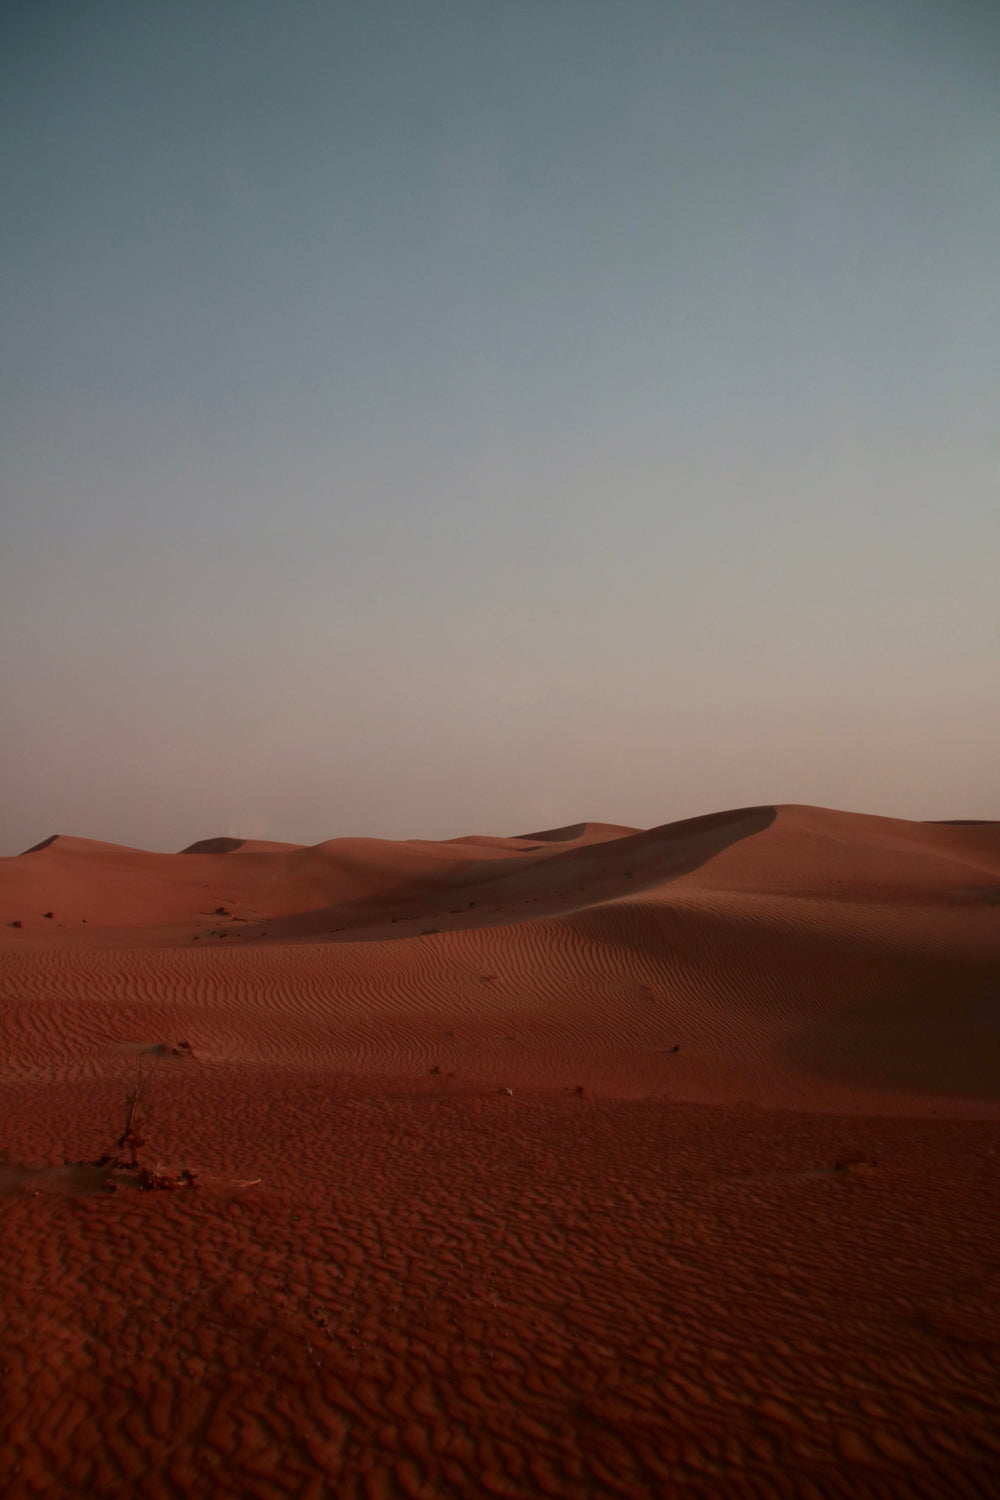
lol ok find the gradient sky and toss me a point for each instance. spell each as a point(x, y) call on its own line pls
point(423, 418)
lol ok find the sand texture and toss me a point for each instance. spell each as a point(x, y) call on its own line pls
point(592, 1161)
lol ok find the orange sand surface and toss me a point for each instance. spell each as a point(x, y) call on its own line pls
point(593, 1161)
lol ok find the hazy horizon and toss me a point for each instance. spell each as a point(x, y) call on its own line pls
point(425, 419)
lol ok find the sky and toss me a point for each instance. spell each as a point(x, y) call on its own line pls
point(425, 417)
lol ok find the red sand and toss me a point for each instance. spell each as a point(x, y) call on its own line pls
point(638, 1273)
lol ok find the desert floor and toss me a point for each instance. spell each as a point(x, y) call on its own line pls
point(591, 1162)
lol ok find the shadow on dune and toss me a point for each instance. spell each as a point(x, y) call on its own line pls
point(491, 893)
point(215, 846)
point(555, 835)
point(45, 844)
point(940, 1035)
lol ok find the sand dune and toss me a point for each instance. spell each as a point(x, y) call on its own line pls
point(745, 1170)
point(796, 957)
point(801, 852)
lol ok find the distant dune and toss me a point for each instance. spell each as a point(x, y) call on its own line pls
point(566, 1163)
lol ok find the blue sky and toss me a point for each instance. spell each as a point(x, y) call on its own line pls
point(427, 417)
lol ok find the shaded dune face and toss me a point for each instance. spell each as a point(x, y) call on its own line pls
point(556, 835)
point(214, 846)
point(226, 845)
point(525, 883)
point(351, 886)
point(591, 833)
point(36, 848)
point(934, 1031)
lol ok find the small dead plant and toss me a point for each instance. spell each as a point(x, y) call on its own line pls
point(136, 1105)
point(132, 1140)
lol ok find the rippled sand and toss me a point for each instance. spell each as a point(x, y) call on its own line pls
point(666, 1165)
